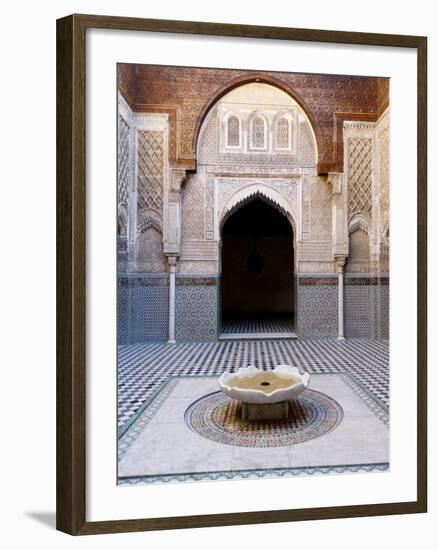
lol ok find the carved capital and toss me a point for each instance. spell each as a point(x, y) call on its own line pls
point(171, 260)
point(340, 263)
point(176, 179)
point(335, 180)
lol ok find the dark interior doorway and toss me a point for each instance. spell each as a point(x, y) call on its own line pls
point(257, 288)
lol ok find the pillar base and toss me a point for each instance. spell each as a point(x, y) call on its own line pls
point(340, 338)
point(171, 341)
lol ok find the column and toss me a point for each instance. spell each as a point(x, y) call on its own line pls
point(340, 262)
point(172, 238)
point(172, 277)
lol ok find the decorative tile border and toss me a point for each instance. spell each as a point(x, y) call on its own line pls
point(366, 281)
point(317, 281)
point(136, 424)
point(143, 280)
point(255, 474)
point(195, 281)
point(348, 280)
point(373, 403)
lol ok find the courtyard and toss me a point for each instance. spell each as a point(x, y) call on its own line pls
point(170, 378)
point(252, 230)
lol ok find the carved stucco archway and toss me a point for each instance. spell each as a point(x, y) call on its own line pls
point(266, 193)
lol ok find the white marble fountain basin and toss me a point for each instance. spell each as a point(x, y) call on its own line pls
point(298, 383)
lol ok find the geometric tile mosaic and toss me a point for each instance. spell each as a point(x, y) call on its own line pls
point(358, 311)
point(144, 368)
point(143, 313)
point(366, 311)
point(317, 315)
point(219, 418)
point(382, 321)
point(196, 313)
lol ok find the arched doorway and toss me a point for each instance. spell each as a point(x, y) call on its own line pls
point(257, 263)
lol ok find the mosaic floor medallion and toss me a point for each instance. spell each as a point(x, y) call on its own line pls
point(217, 417)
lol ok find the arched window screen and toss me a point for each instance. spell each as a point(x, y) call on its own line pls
point(258, 133)
point(283, 134)
point(233, 132)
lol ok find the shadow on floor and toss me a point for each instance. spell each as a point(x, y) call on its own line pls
point(45, 518)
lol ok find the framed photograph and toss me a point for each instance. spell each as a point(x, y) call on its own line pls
point(241, 259)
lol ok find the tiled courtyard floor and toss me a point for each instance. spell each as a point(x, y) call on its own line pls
point(143, 368)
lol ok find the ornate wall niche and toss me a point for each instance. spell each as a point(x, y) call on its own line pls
point(150, 257)
point(284, 132)
point(258, 135)
point(233, 131)
point(122, 222)
point(359, 258)
point(360, 222)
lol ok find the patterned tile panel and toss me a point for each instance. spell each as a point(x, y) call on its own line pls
point(143, 311)
point(382, 312)
point(358, 311)
point(196, 312)
point(366, 310)
point(317, 311)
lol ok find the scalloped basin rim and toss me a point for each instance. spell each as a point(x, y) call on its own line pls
point(254, 395)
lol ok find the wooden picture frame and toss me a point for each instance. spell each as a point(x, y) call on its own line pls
point(71, 273)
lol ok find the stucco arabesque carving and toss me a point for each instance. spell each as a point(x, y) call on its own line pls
point(336, 181)
point(172, 237)
point(283, 196)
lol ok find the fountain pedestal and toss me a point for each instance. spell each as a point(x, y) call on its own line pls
point(266, 411)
